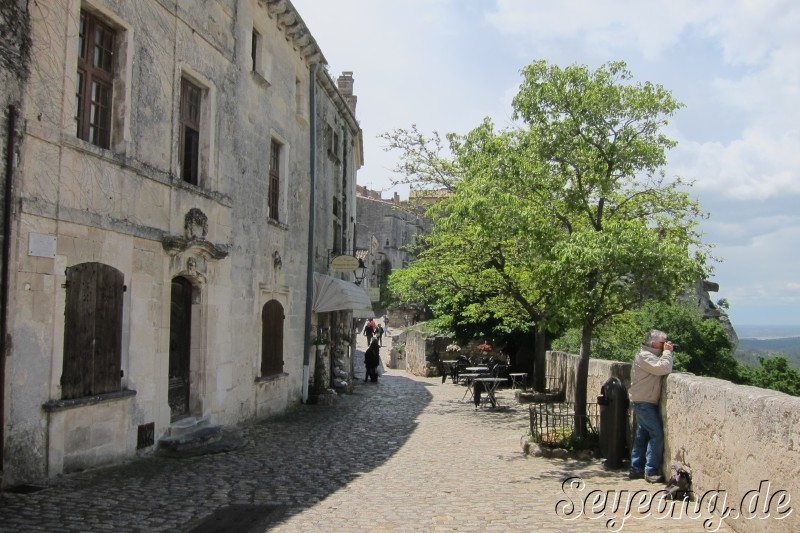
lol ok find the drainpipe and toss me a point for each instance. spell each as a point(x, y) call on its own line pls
point(11, 140)
point(312, 120)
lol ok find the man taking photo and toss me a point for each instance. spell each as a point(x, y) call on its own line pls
point(652, 363)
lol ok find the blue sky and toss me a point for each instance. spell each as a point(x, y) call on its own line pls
point(445, 64)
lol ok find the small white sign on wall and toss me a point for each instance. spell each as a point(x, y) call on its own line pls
point(41, 245)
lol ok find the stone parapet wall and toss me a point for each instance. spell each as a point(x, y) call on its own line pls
point(564, 366)
point(732, 437)
point(742, 440)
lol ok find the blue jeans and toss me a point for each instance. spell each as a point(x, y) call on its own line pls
point(648, 444)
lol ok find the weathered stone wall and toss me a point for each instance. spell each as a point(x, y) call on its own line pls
point(385, 228)
point(123, 206)
point(423, 352)
point(730, 437)
point(563, 367)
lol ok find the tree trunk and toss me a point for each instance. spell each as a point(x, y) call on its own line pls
point(539, 364)
point(581, 382)
point(525, 356)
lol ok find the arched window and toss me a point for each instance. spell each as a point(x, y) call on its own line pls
point(92, 330)
point(272, 338)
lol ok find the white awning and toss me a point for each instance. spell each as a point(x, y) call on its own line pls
point(333, 294)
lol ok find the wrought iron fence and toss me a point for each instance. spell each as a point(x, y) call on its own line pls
point(553, 424)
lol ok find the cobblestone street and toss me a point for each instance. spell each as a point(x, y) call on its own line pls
point(403, 454)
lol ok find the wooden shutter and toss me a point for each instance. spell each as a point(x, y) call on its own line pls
point(108, 330)
point(92, 330)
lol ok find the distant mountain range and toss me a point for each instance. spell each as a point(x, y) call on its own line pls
point(765, 341)
point(766, 332)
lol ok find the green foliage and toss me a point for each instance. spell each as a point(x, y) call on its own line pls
point(704, 347)
point(616, 340)
point(774, 373)
point(564, 220)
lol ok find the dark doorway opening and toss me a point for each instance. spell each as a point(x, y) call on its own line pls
point(180, 348)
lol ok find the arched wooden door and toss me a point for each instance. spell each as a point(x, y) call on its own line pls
point(180, 347)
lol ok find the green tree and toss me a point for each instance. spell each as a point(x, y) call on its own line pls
point(566, 219)
point(774, 373)
point(629, 234)
point(480, 264)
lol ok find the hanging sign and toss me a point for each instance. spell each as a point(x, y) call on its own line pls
point(344, 263)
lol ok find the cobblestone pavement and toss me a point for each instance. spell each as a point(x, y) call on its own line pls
point(400, 455)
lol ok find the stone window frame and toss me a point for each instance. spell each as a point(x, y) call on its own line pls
point(190, 127)
point(206, 162)
point(94, 87)
point(260, 66)
point(281, 179)
point(122, 67)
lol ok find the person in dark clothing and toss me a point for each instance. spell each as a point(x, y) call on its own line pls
point(369, 331)
point(372, 359)
point(379, 334)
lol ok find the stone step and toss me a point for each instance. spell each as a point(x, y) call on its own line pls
point(186, 425)
point(198, 437)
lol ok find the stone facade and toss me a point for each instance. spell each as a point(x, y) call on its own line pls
point(128, 206)
point(383, 229)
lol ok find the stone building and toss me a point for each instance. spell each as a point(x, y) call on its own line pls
point(183, 173)
point(384, 229)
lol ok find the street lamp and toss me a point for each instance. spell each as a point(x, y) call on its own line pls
point(360, 271)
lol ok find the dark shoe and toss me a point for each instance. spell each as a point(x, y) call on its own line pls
point(654, 478)
point(635, 473)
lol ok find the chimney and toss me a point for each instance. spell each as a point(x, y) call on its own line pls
point(345, 84)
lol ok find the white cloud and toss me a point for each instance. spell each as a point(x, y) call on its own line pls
point(748, 30)
point(760, 165)
point(604, 27)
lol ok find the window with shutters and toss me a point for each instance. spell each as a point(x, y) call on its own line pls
point(95, 80)
point(92, 330)
point(272, 319)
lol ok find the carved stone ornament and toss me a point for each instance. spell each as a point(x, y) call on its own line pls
point(195, 224)
point(195, 228)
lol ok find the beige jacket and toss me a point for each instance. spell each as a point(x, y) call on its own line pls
point(649, 366)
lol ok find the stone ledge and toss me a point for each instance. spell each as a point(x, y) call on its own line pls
point(54, 406)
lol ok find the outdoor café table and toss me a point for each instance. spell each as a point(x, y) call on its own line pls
point(468, 382)
point(517, 377)
point(478, 369)
point(450, 368)
point(489, 385)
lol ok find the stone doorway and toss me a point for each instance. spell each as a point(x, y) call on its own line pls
point(180, 348)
